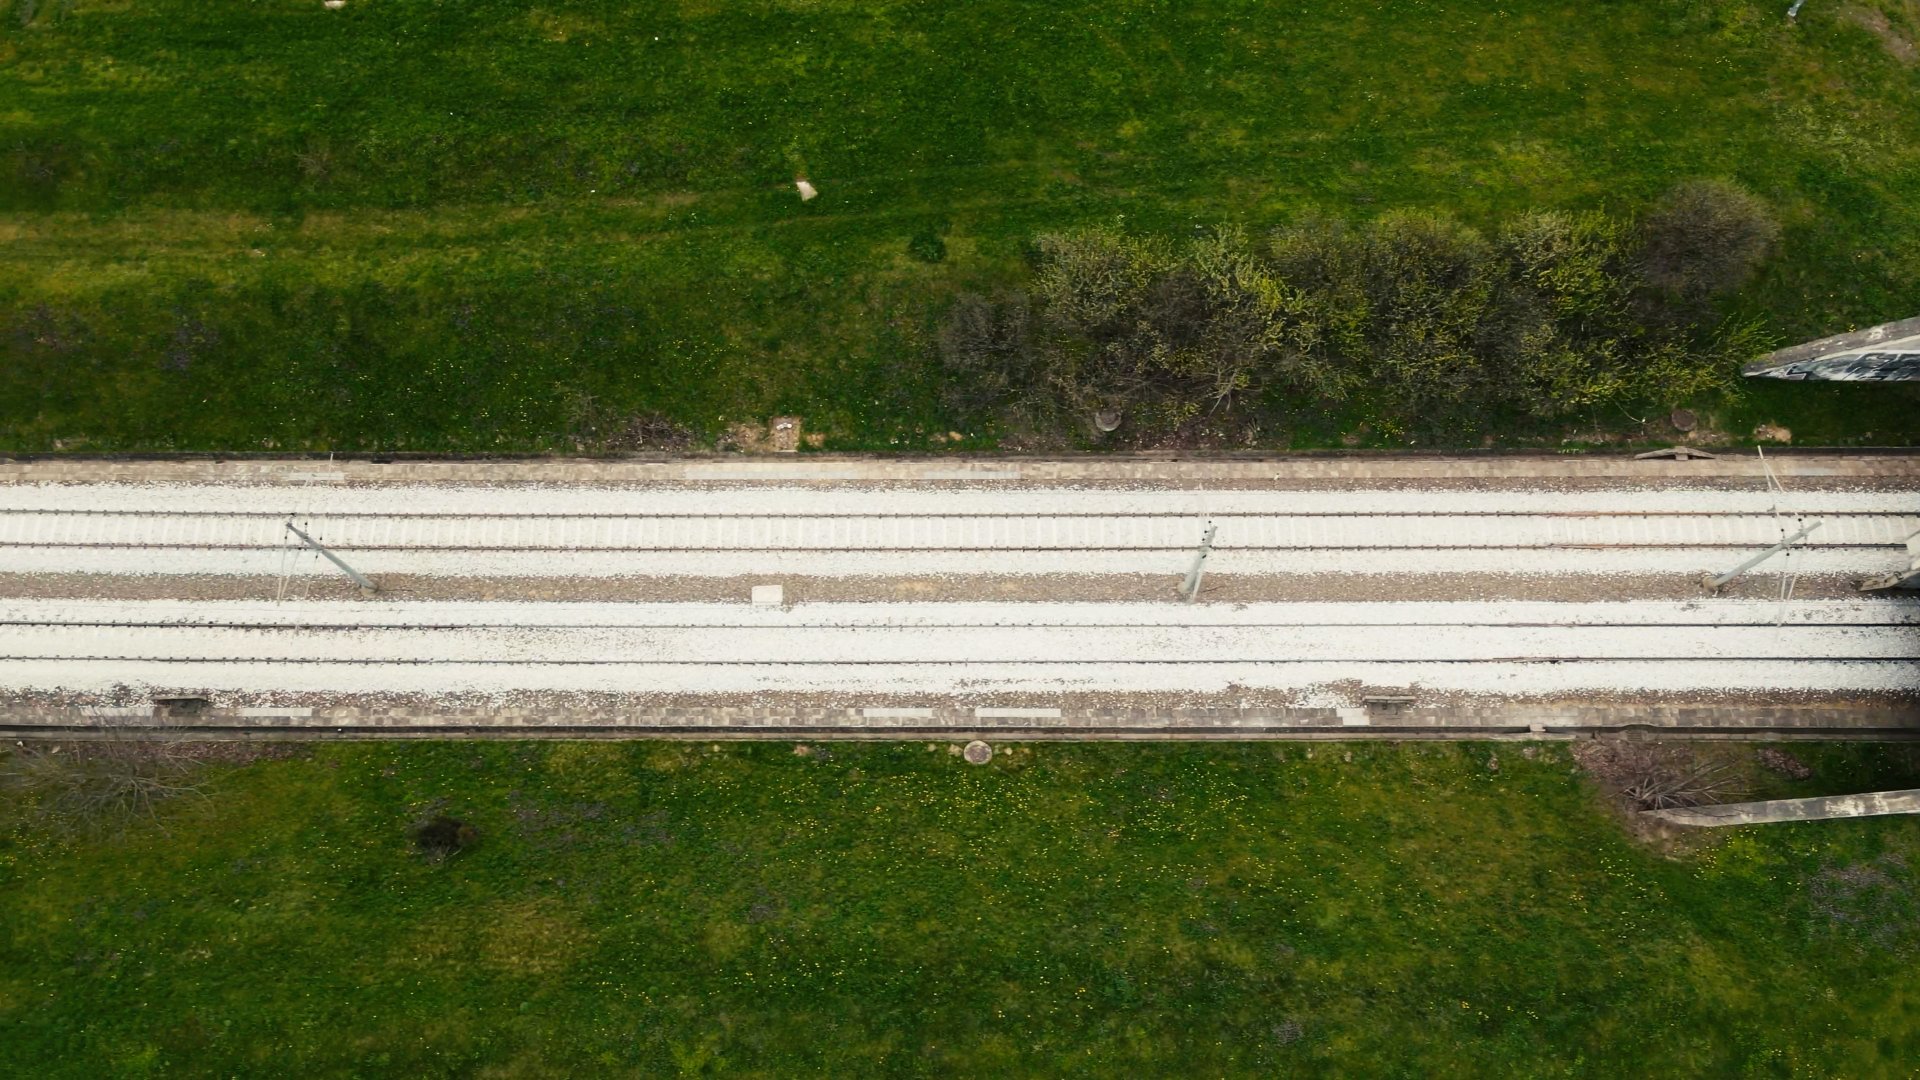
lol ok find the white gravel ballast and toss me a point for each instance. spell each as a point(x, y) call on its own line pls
point(435, 648)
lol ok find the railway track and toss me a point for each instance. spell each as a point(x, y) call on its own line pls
point(944, 649)
point(598, 533)
point(76, 645)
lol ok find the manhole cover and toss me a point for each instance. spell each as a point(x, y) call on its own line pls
point(978, 753)
point(1107, 420)
point(1683, 420)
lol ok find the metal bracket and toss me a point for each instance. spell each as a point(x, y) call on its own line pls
point(1907, 579)
point(1715, 581)
point(1899, 579)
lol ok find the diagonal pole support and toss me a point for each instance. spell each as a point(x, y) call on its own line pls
point(358, 578)
point(1714, 581)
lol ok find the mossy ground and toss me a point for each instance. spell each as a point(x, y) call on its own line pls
point(488, 225)
point(737, 909)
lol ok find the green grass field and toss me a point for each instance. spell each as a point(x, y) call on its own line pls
point(656, 909)
point(499, 226)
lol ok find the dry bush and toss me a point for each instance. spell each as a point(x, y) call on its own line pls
point(1875, 902)
point(100, 785)
point(120, 776)
point(440, 836)
point(89, 787)
point(1661, 776)
point(597, 427)
point(1783, 763)
point(1706, 238)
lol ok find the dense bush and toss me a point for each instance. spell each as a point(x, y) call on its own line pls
point(1706, 238)
point(1434, 326)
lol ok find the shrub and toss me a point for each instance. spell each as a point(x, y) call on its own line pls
point(1673, 368)
point(1705, 238)
point(1252, 325)
point(1574, 263)
point(1429, 283)
point(1090, 282)
point(1783, 763)
point(441, 836)
point(985, 347)
point(1564, 310)
point(1099, 292)
point(99, 786)
point(1443, 328)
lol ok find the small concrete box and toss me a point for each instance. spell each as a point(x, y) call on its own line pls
point(768, 596)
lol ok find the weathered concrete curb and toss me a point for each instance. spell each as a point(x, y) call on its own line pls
point(1882, 721)
point(829, 468)
point(1869, 804)
point(1881, 335)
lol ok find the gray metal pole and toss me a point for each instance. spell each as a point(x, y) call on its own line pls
point(1714, 581)
point(1190, 588)
point(332, 558)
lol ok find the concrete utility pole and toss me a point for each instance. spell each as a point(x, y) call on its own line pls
point(358, 579)
point(1190, 588)
point(1714, 581)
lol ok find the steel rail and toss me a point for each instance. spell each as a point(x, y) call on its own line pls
point(1166, 732)
point(756, 515)
point(355, 628)
point(1187, 548)
point(994, 662)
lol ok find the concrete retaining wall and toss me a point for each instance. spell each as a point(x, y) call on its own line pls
point(1869, 804)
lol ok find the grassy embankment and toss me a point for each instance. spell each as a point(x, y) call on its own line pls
point(666, 909)
point(489, 226)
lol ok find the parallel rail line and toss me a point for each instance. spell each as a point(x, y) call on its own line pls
point(681, 533)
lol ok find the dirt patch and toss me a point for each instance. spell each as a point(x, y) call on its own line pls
point(652, 431)
point(1627, 772)
point(1781, 763)
point(1661, 776)
point(597, 428)
point(781, 435)
point(1876, 22)
point(784, 434)
point(1877, 902)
